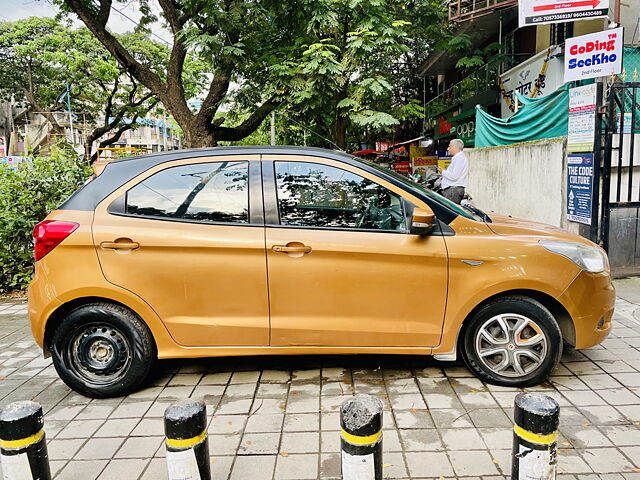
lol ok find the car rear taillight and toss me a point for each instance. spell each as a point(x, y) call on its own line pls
point(47, 235)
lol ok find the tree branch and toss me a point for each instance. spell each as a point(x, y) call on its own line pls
point(98, 132)
point(109, 107)
point(233, 134)
point(41, 110)
point(217, 90)
point(178, 52)
point(96, 23)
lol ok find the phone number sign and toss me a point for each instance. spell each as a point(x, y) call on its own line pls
point(540, 12)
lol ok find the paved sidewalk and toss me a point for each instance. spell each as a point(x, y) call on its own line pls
point(276, 417)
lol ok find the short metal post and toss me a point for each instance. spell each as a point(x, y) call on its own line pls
point(535, 434)
point(361, 438)
point(23, 447)
point(185, 425)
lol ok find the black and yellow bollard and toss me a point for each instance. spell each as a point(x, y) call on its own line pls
point(23, 447)
point(185, 425)
point(361, 438)
point(535, 434)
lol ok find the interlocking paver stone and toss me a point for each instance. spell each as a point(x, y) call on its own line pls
point(278, 417)
point(256, 467)
point(296, 467)
point(85, 469)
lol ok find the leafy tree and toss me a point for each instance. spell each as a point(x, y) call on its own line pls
point(332, 60)
point(55, 56)
point(27, 48)
point(470, 56)
point(235, 38)
point(357, 68)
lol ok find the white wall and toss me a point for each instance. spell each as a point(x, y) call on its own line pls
point(525, 180)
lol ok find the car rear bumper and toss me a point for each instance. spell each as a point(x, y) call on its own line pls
point(590, 300)
point(41, 304)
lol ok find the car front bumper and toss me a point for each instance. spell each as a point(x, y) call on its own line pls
point(590, 300)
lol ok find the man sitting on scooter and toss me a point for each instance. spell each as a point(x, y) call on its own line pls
point(454, 177)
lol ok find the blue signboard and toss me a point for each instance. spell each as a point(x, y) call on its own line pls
point(579, 187)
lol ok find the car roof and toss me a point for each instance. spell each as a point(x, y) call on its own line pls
point(162, 157)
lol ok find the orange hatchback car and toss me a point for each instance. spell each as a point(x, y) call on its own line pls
point(284, 250)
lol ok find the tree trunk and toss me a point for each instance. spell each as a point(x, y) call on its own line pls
point(88, 146)
point(341, 130)
point(341, 121)
point(198, 136)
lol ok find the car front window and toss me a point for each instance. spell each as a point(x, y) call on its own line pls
point(460, 210)
point(316, 195)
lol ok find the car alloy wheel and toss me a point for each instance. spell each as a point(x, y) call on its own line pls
point(511, 345)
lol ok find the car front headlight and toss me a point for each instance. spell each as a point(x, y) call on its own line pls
point(590, 259)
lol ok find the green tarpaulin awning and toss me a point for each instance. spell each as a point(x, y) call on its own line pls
point(537, 118)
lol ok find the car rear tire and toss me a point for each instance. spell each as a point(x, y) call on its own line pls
point(513, 341)
point(103, 350)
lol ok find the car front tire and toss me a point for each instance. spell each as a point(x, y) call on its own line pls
point(103, 350)
point(512, 341)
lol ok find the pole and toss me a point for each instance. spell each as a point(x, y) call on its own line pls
point(597, 166)
point(361, 438)
point(73, 137)
point(164, 131)
point(273, 128)
point(616, 17)
point(535, 434)
point(185, 425)
point(23, 447)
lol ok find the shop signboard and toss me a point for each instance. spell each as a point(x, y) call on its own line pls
point(522, 78)
point(582, 118)
point(402, 167)
point(426, 165)
point(539, 12)
point(13, 161)
point(579, 187)
point(415, 151)
point(458, 125)
point(594, 55)
point(444, 162)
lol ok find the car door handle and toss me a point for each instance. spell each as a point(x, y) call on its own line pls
point(129, 245)
point(291, 249)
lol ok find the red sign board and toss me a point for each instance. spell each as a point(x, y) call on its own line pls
point(402, 167)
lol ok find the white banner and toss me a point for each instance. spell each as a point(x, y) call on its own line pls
point(522, 78)
point(539, 12)
point(582, 118)
point(594, 55)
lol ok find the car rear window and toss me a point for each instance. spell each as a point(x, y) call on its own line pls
point(216, 192)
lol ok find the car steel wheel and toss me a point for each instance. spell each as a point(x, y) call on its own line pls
point(511, 345)
point(100, 353)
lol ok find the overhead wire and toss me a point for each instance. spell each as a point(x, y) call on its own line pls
point(138, 24)
point(308, 129)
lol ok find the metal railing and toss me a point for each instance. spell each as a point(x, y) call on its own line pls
point(480, 80)
point(461, 10)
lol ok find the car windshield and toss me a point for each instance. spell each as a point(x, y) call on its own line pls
point(459, 209)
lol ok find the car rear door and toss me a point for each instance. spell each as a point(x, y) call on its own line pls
point(188, 238)
point(338, 278)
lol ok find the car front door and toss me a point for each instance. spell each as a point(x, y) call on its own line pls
point(343, 271)
point(188, 238)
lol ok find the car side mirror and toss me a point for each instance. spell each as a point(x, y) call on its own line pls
point(422, 221)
